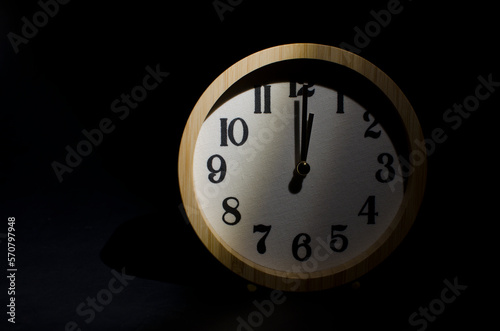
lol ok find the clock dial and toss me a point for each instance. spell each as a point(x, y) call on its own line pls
point(296, 167)
point(248, 182)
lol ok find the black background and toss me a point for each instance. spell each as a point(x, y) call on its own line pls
point(120, 206)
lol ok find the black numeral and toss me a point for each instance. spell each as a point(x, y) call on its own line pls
point(302, 240)
point(338, 242)
point(386, 160)
point(293, 90)
point(294, 93)
point(340, 103)
point(267, 99)
point(368, 209)
point(213, 172)
point(261, 245)
point(236, 216)
point(228, 132)
point(369, 132)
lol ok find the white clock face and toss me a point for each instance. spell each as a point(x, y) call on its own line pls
point(253, 199)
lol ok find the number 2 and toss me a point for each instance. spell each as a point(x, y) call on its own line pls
point(369, 132)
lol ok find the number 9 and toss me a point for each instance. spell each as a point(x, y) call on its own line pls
point(222, 169)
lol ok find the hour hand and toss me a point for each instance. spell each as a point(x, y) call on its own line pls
point(303, 167)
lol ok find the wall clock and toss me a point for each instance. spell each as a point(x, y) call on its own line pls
point(294, 167)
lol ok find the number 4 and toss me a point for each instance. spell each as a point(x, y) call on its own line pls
point(371, 213)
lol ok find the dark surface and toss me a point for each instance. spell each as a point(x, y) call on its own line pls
point(119, 208)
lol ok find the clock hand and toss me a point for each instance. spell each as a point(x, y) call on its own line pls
point(304, 122)
point(305, 147)
point(303, 167)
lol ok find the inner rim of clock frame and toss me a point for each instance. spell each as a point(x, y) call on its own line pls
point(339, 78)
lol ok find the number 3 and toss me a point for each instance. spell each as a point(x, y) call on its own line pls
point(387, 164)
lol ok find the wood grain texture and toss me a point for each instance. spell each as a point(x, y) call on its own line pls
point(313, 280)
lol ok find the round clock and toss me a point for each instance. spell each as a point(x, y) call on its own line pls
point(299, 167)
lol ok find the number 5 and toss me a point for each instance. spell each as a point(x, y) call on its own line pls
point(340, 237)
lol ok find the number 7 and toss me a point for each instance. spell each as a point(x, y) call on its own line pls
point(261, 245)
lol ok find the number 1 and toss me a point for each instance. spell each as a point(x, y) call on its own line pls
point(340, 103)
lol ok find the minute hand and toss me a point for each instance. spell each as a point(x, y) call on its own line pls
point(303, 167)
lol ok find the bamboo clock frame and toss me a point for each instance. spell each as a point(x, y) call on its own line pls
point(315, 280)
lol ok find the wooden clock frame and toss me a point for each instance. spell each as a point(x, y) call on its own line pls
point(315, 280)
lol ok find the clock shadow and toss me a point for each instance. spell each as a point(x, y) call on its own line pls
point(342, 79)
point(165, 248)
